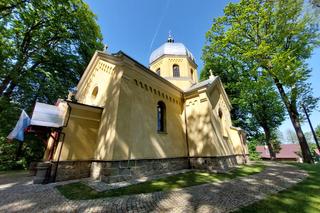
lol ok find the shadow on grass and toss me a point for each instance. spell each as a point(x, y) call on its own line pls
point(80, 191)
point(303, 197)
point(13, 173)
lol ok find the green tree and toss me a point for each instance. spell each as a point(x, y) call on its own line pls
point(252, 144)
point(275, 141)
point(263, 106)
point(45, 46)
point(318, 132)
point(277, 37)
point(252, 93)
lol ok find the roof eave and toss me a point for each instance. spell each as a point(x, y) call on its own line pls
point(147, 70)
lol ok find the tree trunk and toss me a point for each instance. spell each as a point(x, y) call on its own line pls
point(306, 154)
point(19, 149)
point(267, 133)
point(294, 117)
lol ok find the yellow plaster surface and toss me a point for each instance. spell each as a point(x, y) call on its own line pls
point(165, 64)
point(127, 126)
point(80, 140)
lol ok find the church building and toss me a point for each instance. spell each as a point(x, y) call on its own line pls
point(127, 120)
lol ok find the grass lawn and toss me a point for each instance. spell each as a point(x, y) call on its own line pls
point(301, 198)
point(80, 191)
point(13, 173)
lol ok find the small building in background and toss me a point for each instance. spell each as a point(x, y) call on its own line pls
point(288, 152)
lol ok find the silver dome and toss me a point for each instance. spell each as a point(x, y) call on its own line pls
point(170, 48)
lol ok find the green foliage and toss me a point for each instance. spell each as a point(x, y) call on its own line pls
point(253, 154)
point(8, 150)
point(268, 40)
point(259, 140)
point(45, 47)
point(258, 105)
point(275, 142)
point(318, 132)
point(80, 191)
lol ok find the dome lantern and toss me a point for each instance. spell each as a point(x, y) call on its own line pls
point(170, 48)
point(170, 38)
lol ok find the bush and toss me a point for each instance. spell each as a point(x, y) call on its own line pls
point(11, 158)
point(253, 154)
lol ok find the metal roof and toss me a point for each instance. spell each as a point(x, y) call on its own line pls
point(287, 151)
point(170, 48)
point(201, 84)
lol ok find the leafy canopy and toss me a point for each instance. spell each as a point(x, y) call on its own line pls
point(271, 39)
point(45, 47)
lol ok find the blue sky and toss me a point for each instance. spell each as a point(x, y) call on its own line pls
point(140, 26)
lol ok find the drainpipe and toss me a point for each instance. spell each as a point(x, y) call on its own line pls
point(61, 133)
point(187, 138)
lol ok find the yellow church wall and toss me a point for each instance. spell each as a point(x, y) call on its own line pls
point(232, 134)
point(165, 63)
point(181, 83)
point(239, 145)
point(92, 90)
point(107, 132)
point(203, 131)
point(136, 131)
point(80, 134)
point(104, 75)
point(127, 129)
point(209, 135)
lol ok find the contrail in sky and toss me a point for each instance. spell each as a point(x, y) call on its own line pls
point(159, 25)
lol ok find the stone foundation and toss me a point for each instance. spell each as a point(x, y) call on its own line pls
point(219, 163)
point(115, 171)
point(69, 170)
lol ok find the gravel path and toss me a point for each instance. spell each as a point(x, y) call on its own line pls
point(18, 194)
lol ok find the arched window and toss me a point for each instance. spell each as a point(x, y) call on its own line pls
point(95, 92)
point(158, 71)
point(222, 122)
point(191, 72)
point(161, 117)
point(220, 113)
point(176, 70)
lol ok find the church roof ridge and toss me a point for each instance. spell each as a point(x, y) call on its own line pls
point(201, 84)
point(213, 80)
point(120, 52)
point(206, 83)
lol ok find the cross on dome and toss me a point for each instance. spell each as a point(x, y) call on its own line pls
point(170, 48)
point(170, 38)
